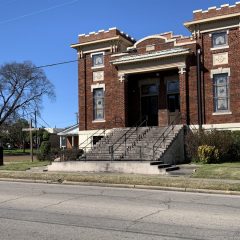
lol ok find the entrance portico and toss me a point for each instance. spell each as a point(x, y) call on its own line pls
point(154, 84)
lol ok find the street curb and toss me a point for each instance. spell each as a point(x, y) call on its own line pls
point(65, 182)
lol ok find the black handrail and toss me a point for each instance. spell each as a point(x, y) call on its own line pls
point(91, 137)
point(124, 136)
point(171, 125)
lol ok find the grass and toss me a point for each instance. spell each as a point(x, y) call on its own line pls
point(219, 171)
point(17, 152)
point(202, 179)
point(129, 179)
point(23, 165)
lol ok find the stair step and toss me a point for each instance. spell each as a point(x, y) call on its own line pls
point(173, 168)
point(156, 163)
point(165, 165)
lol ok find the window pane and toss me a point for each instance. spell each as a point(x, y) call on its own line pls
point(221, 91)
point(149, 89)
point(173, 86)
point(220, 79)
point(98, 102)
point(219, 39)
point(222, 104)
point(220, 82)
point(97, 59)
point(98, 93)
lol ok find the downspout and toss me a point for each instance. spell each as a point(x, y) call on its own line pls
point(203, 86)
point(85, 91)
point(199, 88)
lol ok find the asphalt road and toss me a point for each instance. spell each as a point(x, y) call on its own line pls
point(42, 211)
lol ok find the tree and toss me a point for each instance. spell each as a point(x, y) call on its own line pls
point(22, 87)
point(17, 137)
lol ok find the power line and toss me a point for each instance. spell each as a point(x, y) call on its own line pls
point(38, 12)
point(56, 64)
point(45, 122)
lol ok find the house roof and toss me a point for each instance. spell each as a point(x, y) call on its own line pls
point(151, 55)
point(70, 131)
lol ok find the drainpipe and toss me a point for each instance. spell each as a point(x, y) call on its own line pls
point(85, 91)
point(203, 85)
point(199, 88)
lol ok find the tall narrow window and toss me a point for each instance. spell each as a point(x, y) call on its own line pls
point(98, 104)
point(221, 92)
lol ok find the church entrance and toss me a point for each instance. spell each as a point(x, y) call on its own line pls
point(149, 103)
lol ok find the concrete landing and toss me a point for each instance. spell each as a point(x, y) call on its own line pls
point(133, 167)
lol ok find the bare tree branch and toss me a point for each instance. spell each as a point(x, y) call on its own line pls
point(22, 86)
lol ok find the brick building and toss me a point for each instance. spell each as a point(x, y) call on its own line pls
point(122, 81)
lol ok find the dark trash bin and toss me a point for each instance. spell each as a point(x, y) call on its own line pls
point(1, 156)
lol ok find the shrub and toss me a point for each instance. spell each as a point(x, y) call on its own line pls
point(208, 154)
point(71, 154)
point(226, 142)
point(46, 136)
point(44, 151)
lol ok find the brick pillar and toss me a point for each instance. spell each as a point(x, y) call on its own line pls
point(122, 101)
point(81, 94)
point(163, 117)
point(183, 94)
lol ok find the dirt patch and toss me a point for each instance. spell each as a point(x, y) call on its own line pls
point(20, 158)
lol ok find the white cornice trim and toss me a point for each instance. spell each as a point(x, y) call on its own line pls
point(219, 29)
point(188, 24)
point(155, 68)
point(77, 45)
point(150, 58)
point(97, 50)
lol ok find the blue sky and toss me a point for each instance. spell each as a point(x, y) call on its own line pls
point(42, 31)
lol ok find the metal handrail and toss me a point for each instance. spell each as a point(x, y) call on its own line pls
point(124, 136)
point(163, 137)
point(91, 137)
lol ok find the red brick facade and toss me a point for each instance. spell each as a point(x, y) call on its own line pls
point(136, 77)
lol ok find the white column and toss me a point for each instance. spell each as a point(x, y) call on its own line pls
point(72, 141)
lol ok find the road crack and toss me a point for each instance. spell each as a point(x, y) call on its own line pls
point(58, 203)
point(134, 222)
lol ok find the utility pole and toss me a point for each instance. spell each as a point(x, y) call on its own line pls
point(35, 125)
point(77, 117)
point(31, 140)
point(30, 130)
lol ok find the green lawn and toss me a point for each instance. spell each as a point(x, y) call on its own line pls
point(17, 152)
point(23, 165)
point(219, 171)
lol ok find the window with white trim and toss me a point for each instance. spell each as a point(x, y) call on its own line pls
point(98, 59)
point(98, 104)
point(221, 92)
point(219, 39)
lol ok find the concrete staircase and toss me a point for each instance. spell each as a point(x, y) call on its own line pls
point(121, 139)
point(144, 148)
point(135, 144)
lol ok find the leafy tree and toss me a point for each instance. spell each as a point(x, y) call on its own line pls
point(22, 87)
point(17, 137)
point(12, 133)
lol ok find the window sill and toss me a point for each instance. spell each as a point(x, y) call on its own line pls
point(97, 67)
point(99, 121)
point(221, 113)
point(219, 48)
